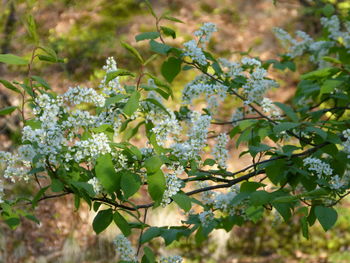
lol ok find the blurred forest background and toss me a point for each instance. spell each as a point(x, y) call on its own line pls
point(85, 33)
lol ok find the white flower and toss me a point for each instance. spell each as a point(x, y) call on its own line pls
point(92, 147)
point(78, 95)
point(171, 259)
point(205, 33)
point(220, 152)
point(269, 107)
point(124, 249)
point(113, 87)
point(206, 217)
point(195, 53)
point(173, 184)
point(317, 166)
point(97, 186)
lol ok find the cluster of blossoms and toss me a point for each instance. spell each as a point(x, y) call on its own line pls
point(195, 52)
point(221, 201)
point(346, 144)
point(173, 183)
point(124, 249)
point(79, 95)
point(205, 32)
point(191, 47)
point(113, 87)
point(268, 107)
point(91, 148)
point(220, 152)
point(197, 137)
point(96, 185)
point(317, 49)
point(214, 92)
point(317, 166)
point(171, 259)
point(17, 167)
point(166, 126)
point(206, 217)
point(257, 84)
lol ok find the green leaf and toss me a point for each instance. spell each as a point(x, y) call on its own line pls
point(148, 4)
point(324, 72)
point(328, 10)
point(102, 220)
point(13, 222)
point(159, 47)
point(327, 216)
point(170, 18)
point(114, 99)
point(283, 210)
point(329, 86)
point(149, 255)
point(149, 234)
point(147, 35)
point(183, 201)
point(156, 185)
point(7, 110)
point(150, 59)
point(123, 225)
point(130, 183)
point(56, 185)
point(31, 27)
point(171, 68)
point(120, 72)
point(260, 198)
point(249, 187)
point(168, 31)
point(41, 81)
point(288, 111)
point(133, 103)
point(106, 173)
point(39, 194)
point(8, 85)
point(304, 227)
point(158, 104)
point(132, 50)
point(284, 126)
point(153, 164)
point(13, 59)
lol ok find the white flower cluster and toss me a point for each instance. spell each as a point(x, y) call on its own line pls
point(195, 52)
point(205, 33)
point(296, 48)
point(214, 92)
point(220, 152)
point(337, 182)
point(91, 148)
point(113, 87)
point(268, 107)
point(1, 191)
point(346, 144)
point(171, 259)
point(317, 49)
point(237, 115)
point(173, 184)
point(124, 249)
point(206, 217)
point(223, 201)
point(97, 186)
point(232, 69)
point(78, 95)
point(16, 167)
point(48, 140)
point(164, 127)
point(197, 137)
point(48, 109)
point(257, 84)
point(317, 166)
